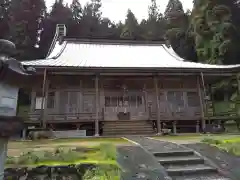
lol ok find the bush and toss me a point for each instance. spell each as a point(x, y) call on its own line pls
point(212, 141)
point(36, 135)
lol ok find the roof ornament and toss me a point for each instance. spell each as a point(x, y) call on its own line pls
point(61, 32)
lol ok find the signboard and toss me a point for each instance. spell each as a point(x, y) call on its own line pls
point(8, 100)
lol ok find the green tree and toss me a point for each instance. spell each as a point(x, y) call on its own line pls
point(178, 30)
point(59, 14)
point(25, 22)
point(213, 29)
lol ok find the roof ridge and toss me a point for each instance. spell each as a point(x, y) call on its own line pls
point(107, 41)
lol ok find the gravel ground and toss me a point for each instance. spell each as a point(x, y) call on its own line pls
point(156, 145)
point(226, 162)
point(137, 164)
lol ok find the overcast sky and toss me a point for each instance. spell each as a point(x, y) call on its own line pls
point(116, 9)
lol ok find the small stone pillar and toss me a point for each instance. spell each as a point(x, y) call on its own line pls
point(174, 127)
point(8, 127)
point(3, 155)
point(198, 127)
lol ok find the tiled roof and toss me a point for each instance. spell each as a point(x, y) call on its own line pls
point(116, 55)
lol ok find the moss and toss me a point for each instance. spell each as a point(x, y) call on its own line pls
point(229, 145)
point(99, 163)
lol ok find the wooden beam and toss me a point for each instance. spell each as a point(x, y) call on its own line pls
point(97, 106)
point(201, 100)
point(157, 104)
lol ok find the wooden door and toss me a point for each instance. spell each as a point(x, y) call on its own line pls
point(69, 102)
point(73, 102)
point(131, 102)
point(175, 104)
point(136, 105)
point(63, 102)
point(193, 104)
point(89, 102)
point(112, 100)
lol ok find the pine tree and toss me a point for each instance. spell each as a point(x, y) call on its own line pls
point(76, 10)
point(178, 28)
point(91, 20)
point(4, 19)
point(154, 27)
point(25, 20)
point(130, 29)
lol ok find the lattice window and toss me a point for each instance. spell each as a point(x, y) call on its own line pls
point(126, 101)
point(193, 99)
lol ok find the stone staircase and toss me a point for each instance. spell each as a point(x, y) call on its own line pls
point(186, 165)
point(179, 162)
point(129, 127)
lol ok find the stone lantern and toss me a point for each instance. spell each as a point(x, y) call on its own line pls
point(12, 77)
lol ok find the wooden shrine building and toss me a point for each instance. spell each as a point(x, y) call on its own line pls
point(119, 87)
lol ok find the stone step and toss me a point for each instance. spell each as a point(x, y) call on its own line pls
point(210, 176)
point(128, 133)
point(180, 160)
point(127, 126)
point(174, 153)
point(190, 170)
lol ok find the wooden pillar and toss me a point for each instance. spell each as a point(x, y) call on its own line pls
point(33, 100)
point(43, 103)
point(202, 107)
point(238, 82)
point(157, 105)
point(97, 106)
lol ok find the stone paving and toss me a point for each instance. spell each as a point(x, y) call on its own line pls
point(137, 164)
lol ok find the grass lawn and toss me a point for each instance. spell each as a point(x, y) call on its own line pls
point(194, 138)
point(15, 148)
